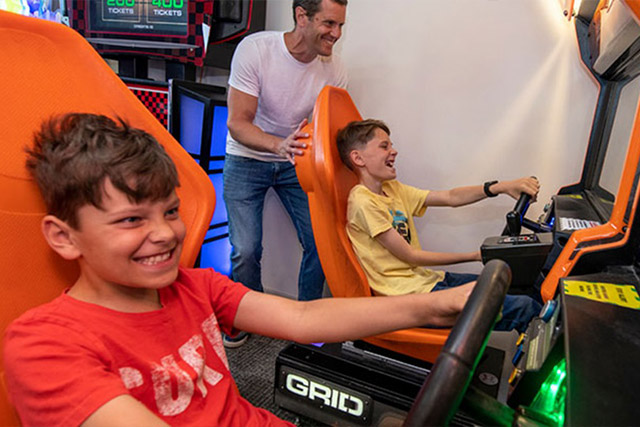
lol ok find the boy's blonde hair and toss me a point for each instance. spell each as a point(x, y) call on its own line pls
point(355, 135)
point(74, 153)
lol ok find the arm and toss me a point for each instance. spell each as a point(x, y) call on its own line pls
point(340, 319)
point(123, 411)
point(242, 111)
point(462, 196)
point(401, 249)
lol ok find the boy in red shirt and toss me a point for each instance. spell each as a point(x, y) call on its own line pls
point(136, 340)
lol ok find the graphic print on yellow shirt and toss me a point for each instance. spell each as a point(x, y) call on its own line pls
point(401, 224)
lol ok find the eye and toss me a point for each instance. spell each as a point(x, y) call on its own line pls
point(130, 220)
point(173, 212)
point(330, 24)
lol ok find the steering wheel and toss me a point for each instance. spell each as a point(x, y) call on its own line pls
point(442, 391)
point(515, 217)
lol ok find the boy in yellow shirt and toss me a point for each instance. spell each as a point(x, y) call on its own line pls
point(380, 222)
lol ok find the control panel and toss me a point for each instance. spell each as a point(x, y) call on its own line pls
point(519, 240)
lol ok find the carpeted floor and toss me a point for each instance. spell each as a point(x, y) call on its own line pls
point(253, 366)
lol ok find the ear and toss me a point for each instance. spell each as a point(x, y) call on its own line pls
point(356, 158)
point(301, 16)
point(58, 235)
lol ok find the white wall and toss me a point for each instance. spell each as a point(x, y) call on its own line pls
point(472, 91)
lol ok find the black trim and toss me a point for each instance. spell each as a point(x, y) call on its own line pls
point(213, 239)
point(486, 189)
point(218, 225)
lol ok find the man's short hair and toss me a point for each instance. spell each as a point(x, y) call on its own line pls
point(356, 135)
point(74, 153)
point(312, 7)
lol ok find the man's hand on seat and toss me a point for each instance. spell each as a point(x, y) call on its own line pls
point(290, 146)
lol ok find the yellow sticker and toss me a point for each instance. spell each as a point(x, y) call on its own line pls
point(622, 295)
point(573, 196)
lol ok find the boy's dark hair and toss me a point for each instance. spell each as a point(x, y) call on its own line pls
point(311, 6)
point(355, 135)
point(74, 153)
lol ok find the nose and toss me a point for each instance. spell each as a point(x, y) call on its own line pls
point(162, 231)
point(336, 32)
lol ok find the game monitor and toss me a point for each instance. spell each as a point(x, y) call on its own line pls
point(608, 169)
point(170, 29)
point(599, 184)
point(51, 10)
point(155, 18)
point(178, 30)
point(198, 120)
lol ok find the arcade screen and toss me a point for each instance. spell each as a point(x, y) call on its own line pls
point(198, 120)
point(156, 18)
point(51, 10)
point(616, 150)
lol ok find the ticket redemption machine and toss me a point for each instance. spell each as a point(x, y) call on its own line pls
point(575, 365)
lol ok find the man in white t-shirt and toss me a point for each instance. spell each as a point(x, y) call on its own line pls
point(275, 80)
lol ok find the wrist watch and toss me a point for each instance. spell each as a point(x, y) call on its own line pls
point(486, 188)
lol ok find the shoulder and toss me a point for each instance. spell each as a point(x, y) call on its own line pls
point(56, 312)
point(208, 283)
point(361, 199)
point(333, 61)
point(334, 66)
point(54, 328)
point(63, 319)
point(393, 185)
point(261, 39)
point(398, 188)
point(359, 193)
point(196, 277)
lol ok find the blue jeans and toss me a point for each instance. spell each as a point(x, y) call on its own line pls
point(246, 182)
point(517, 310)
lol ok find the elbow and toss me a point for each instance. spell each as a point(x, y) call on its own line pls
point(413, 259)
point(231, 126)
point(234, 126)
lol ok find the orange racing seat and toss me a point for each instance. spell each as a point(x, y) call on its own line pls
point(327, 182)
point(48, 69)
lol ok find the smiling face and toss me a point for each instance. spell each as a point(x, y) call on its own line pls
point(324, 29)
point(376, 160)
point(127, 244)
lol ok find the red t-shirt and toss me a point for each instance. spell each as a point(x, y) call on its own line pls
point(67, 358)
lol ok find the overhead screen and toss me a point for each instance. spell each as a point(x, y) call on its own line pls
point(618, 143)
point(159, 18)
point(51, 10)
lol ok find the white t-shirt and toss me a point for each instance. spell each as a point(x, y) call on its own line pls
point(285, 87)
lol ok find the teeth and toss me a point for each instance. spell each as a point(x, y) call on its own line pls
point(155, 259)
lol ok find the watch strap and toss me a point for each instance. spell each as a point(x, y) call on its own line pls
point(486, 188)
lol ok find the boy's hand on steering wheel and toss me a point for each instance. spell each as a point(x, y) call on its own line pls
point(529, 185)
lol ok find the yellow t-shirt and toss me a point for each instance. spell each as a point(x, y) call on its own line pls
point(370, 214)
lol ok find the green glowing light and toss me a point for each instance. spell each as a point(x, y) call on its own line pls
point(550, 399)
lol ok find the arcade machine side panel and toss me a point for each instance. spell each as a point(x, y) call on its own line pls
point(576, 366)
point(198, 120)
